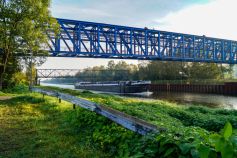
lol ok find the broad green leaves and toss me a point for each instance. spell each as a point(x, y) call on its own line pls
point(223, 143)
point(178, 141)
point(207, 146)
point(185, 148)
point(227, 130)
point(204, 151)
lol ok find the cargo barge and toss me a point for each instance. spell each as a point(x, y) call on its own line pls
point(115, 87)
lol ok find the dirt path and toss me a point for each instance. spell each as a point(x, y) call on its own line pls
point(5, 98)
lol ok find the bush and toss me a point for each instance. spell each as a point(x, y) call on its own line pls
point(192, 142)
point(2, 93)
point(18, 89)
point(19, 78)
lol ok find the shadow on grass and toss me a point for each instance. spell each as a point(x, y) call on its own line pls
point(34, 127)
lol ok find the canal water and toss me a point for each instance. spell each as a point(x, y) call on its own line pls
point(188, 99)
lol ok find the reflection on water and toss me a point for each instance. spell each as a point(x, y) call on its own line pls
point(210, 100)
point(58, 85)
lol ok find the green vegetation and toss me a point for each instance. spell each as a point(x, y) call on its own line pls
point(157, 72)
point(22, 32)
point(18, 89)
point(191, 131)
point(112, 72)
point(33, 126)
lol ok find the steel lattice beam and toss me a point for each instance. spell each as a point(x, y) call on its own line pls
point(56, 73)
point(71, 73)
point(97, 40)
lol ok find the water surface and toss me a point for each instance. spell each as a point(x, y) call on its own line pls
point(189, 99)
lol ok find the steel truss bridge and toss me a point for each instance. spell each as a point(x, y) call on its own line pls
point(56, 73)
point(71, 73)
point(98, 40)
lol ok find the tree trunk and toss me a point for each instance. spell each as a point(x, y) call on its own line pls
point(1, 78)
point(3, 68)
point(1, 82)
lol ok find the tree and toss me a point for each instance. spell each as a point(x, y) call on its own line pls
point(162, 70)
point(206, 72)
point(120, 71)
point(202, 71)
point(23, 27)
point(19, 78)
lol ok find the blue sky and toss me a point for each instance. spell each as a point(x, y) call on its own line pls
point(214, 18)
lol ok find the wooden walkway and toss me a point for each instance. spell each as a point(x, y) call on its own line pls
point(132, 123)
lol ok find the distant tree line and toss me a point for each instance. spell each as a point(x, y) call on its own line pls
point(183, 71)
point(120, 71)
point(156, 71)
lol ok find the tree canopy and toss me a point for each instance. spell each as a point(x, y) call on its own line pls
point(23, 26)
point(112, 72)
point(191, 72)
point(156, 71)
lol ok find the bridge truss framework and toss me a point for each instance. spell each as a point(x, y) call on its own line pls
point(56, 73)
point(97, 40)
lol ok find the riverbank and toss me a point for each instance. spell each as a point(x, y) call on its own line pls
point(54, 129)
point(153, 108)
point(180, 98)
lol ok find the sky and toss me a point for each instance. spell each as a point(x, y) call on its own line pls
point(214, 18)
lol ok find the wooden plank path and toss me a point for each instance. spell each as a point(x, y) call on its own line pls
point(132, 123)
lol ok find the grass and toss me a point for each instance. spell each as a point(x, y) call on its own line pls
point(189, 129)
point(4, 94)
point(35, 127)
point(163, 113)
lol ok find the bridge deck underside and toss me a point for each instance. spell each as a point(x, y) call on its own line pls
point(87, 39)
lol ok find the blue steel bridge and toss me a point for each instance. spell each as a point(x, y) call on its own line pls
point(98, 40)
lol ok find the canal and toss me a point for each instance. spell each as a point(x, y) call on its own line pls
point(187, 99)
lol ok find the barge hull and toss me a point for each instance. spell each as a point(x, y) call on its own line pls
point(115, 88)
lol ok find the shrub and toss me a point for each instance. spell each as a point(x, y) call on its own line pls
point(18, 89)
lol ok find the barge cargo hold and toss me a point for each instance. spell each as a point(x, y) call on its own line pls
point(115, 87)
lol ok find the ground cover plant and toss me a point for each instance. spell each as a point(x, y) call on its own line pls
point(192, 126)
point(31, 126)
point(59, 130)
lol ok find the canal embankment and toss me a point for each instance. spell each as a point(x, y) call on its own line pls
point(181, 98)
point(51, 128)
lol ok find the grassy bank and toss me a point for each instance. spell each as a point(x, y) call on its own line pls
point(163, 113)
point(35, 127)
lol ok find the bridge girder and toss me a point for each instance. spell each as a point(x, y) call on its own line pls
point(97, 40)
point(56, 73)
